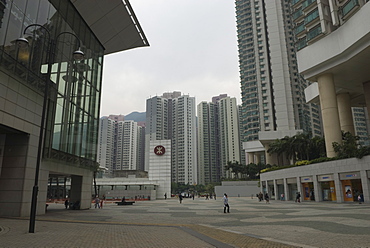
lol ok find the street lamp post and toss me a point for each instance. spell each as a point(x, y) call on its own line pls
point(77, 55)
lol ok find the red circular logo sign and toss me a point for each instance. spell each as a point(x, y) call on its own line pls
point(159, 150)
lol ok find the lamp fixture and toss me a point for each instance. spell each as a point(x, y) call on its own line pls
point(78, 55)
point(21, 42)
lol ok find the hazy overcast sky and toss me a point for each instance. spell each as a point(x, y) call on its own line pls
point(193, 49)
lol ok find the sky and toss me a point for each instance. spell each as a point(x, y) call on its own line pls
point(193, 49)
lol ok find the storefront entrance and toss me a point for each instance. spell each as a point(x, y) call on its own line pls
point(308, 192)
point(351, 190)
point(328, 191)
point(293, 189)
point(327, 187)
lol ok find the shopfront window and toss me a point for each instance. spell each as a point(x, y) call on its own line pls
point(352, 189)
point(328, 191)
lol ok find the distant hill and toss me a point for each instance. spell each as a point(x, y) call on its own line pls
point(136, 116)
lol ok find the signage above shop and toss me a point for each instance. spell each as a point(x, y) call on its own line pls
point(306, 179)
point(351, 175)
point(324, 178)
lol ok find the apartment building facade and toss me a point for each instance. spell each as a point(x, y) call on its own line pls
point(172, 117)
point(273, 101)
point(120, 144)
point(218, 138)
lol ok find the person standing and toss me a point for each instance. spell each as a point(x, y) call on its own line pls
point(165, 196)
point(101, 203)
point(226, 204)
point(180, 198)
point(97, 202)
point(66, 203)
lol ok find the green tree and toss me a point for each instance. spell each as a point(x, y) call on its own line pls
point(235, 168)
point(280, 147)
point(317, 148)
point(254, 170)
point(349, 147)
point(298, 147)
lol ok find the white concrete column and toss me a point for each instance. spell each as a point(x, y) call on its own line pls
point(338, 188)
point(317, 188)
point(365, 186)
point(366, 87)
point(277, 196)
point(258, 158)
point(270, 158)
point(250, 157)
point(329, 110)
point(286, 190)
point(345, 113)
point(299, 188)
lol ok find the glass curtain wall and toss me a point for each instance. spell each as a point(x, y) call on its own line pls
point(74, 120)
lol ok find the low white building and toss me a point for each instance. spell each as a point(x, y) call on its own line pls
point(338, 181)
point(155, 186)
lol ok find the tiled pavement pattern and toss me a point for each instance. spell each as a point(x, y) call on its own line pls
point(196, 223)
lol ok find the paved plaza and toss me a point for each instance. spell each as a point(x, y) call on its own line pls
point(196, 223)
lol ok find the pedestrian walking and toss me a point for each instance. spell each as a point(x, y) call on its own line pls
point(165, 196)
point(298, 197)
point(267, 198)
point(66, 203)
point(101, 203)
point(226, 204)
point(180, 198)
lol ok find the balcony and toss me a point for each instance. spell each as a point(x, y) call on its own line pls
point(297, 14)
point(294, 2)
point(301, 43)
point(349, 7)
point(307, 3)
point(313, 33)
point(311, 16)
point(299, 29)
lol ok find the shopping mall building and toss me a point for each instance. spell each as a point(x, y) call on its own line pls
point(333, 42)
point(51, 60)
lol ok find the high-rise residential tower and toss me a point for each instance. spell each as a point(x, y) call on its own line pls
point(119, 144)
point(209, 168)
point(333, 42)
point(218, 137)
point(273, 103)
point(172, 117)
point(106, 142)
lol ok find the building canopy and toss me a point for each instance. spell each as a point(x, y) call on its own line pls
point(113, 22)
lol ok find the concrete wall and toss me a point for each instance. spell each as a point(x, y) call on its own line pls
point(238, 188)
point(160, 167)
